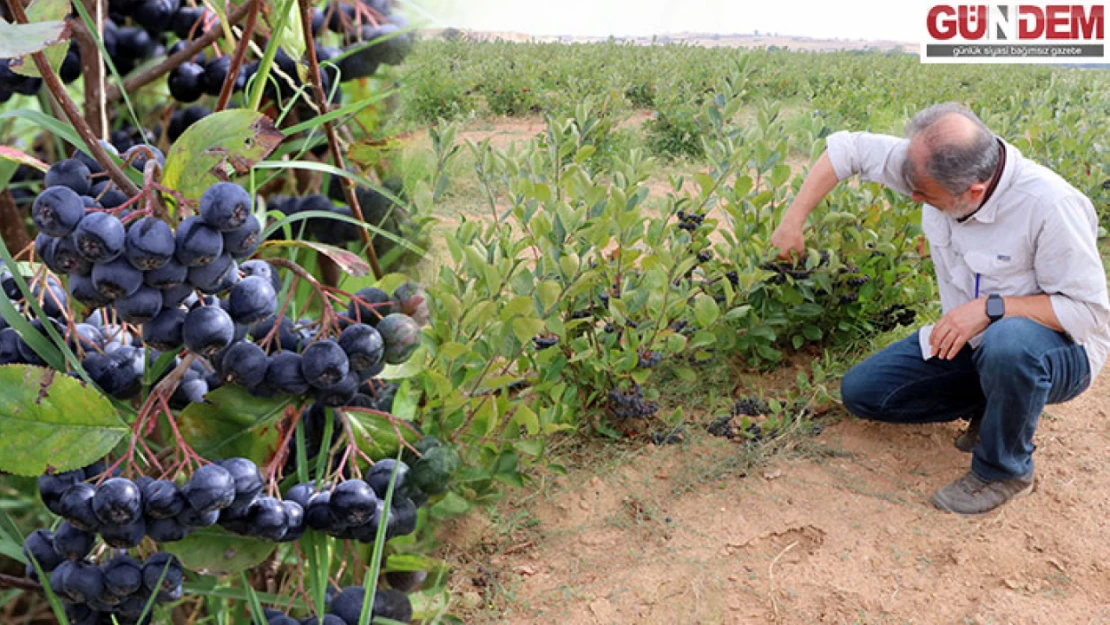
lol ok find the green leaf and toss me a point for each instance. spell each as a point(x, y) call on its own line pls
point(50, 12)
point(412, 562)
point(46, 122)
point(218, 147)
point(348, 261)
point(451, 505)
point(219, 552)
point(808, 310)
point(17, 40)
point(706, 310)
point(686, 374)
point(233, 423)
point(812, 332)
point(49, 419)
point(376, 435)
point(290, 35)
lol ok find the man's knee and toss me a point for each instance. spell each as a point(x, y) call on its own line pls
point(1006, 345)
point(857, 395)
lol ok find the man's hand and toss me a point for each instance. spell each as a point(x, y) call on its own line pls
point(956, 328)
point(789, 240)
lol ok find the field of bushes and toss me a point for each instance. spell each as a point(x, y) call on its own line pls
point(601, 280)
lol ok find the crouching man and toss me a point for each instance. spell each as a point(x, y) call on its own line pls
point(1022, 289)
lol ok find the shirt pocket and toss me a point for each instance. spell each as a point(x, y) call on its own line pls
point(1002, 272)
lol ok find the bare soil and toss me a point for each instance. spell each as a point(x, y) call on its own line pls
point(840, 530)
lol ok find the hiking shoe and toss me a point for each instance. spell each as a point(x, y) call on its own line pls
point(969, 438)
point(972, 494)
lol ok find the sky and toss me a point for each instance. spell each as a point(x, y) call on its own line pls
point(846, 19)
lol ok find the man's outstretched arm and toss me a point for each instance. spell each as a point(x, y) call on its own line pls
point(788, 237)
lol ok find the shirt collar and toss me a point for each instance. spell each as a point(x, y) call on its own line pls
point(989, 210)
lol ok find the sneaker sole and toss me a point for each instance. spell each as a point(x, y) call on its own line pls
point(1021, 493)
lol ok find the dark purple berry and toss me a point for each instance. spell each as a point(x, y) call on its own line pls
point(252, 300)
point(207, 330)
point(116, 279)
point(225, 206)
point(243, 241)
point(363, 346)
point(70, 173)
point(244, 364)
point(100, 237)
point(170, 275)
point(211, 488)
point(215, 277)
point(185, 82)
point(150, 243)
point(58, 210)
point(324, 364)
point(117, 501)
point(76, 507)
point(247, 479)
point(162, 499)
point(72, 543)
point(197, 243)
point(123, 576)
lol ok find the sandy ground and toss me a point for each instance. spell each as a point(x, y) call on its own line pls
point(843, 533)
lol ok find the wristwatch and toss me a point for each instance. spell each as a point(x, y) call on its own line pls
point(996, 307)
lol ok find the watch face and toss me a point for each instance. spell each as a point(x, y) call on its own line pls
point(995, 307)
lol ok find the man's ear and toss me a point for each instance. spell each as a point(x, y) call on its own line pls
point(977, 190)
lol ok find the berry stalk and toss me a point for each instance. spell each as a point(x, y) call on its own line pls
point(333, 139)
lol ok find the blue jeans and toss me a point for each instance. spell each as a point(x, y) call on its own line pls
point(1019, 367)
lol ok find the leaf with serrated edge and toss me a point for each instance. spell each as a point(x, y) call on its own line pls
point(49, 419)
point(347, 261)
point(218, 147)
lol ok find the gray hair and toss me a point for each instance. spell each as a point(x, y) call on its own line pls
point(954, 162)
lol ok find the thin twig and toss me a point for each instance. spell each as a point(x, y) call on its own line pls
point(20, 583)
point(771, 575)
point(92, 69)
point(113, 92)
point(240, 54)
point(58, 90)
point(333, 140)
point(12, 230)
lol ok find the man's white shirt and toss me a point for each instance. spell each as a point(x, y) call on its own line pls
point(1036, 234)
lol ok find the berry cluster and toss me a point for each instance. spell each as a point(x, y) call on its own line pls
point(540, 343)
point(374, 45)
point(648, 359)
point(345, 608)
point(144, 273)
point(894, 316)
point(378, 210)
point(354, 509)
point(751, 406)
point(228, 493)
point(689, 221)
point(630, 404)
point(728, 426)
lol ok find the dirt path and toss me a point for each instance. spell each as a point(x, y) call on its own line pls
point(844, 533)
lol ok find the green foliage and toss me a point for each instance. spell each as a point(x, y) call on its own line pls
point(52, 420)
point(219, 552)
point(233, 423)
point(218, 147)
